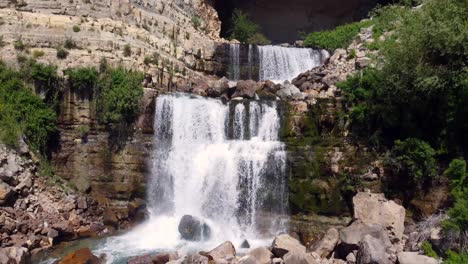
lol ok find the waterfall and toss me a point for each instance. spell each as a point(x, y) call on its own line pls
point(279, 63)
point(222, 163)
point(273, 63)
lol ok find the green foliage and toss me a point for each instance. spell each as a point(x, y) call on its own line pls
point(23, 113)
point(19, 45)
point(340, 37)
point(420, 88)
point(127, 50)
point(415, 158)
point(119, 94)
point(76, 28)
point(37, 54)
point(62, 53)
point(456, 258)
point(246, 31)
point(196, 22)
point(83, 79)
point(428, 250)
point(69, 44)
point(458, 214)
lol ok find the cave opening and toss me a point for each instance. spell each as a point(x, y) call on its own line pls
point(283, 20)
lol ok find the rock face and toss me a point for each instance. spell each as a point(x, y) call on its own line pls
point(285, 243)
point(415, 258)
point(372, 208)
point(194, 229)
point(38, 214)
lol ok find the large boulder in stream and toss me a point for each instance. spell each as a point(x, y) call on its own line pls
point(81, 256)
point(245, 89)
point(224, 251)
point(193, 229)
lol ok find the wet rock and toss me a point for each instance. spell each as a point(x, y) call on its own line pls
point(5, 192)
point(373, 208)
point(110, 218)
point(245, 244)
point(223, 251)
point(14, 255)
point(195, 259)
point(163, 258)
point(326, 245)
point(261, 255)
point(298, 257)
point(146, 259)
point(218, 87)
point(285, 243)
point(81, 256)
point(245, 89)
point(193, 229)
point(372, 251)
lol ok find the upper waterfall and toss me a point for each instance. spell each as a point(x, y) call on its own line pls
point(274, 63)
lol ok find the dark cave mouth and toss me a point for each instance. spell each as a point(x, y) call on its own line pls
point(282, 21)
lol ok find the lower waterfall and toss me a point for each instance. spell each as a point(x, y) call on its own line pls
point(222, 163)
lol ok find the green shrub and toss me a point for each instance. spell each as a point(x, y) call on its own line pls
point(19, 45)
point(37, 54)
point(196, 22)
point(62, 53)
point(76, 28)
point(415, 158)
point(456, 258)
point(428, 250)
point(340, 37)
point(246, 31)
point(83, 79)
point(458, 214)
point(69, 44)
point(258, 39)
point(23, 113)
point(127, 50)
point(119, 94)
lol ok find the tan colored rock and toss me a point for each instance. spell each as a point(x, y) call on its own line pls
point(326, 245)
point(5, 192)
point(81, 256)
point(415, 258)
point(373, 208)
point(223, 251)
point(285, 243)
point(262, 255)
point(298, 257)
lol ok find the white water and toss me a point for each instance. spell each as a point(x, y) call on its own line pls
point(276, 63)
point(221, 163)
point(279, 64)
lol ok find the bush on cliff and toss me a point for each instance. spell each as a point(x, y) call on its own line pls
point(118, 95)
point(246, 31)
point(83, 79)
point(23, 113)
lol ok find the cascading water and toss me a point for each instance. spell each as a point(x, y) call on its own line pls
point(274, 63)
point(222, 163)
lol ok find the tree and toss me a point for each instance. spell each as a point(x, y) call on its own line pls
point(246, 31)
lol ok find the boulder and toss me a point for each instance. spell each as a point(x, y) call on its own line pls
point(223, 251)
point(261, 255)
point(298, 257)
point(218, 87)
point(110, 218)
point(326, 245)
point(5, 192)
point(81, 256)
point(373, 208)
point(247, 260)
point(146, 259)
point(163, 258)
point(193, 229)
point(195, 259)
point(14, 255)
point(285, 243)
point(415, 258)
point(245, 244)
point(284, 93)
point(353, 234)
point(245, 89)
point(372, 251)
